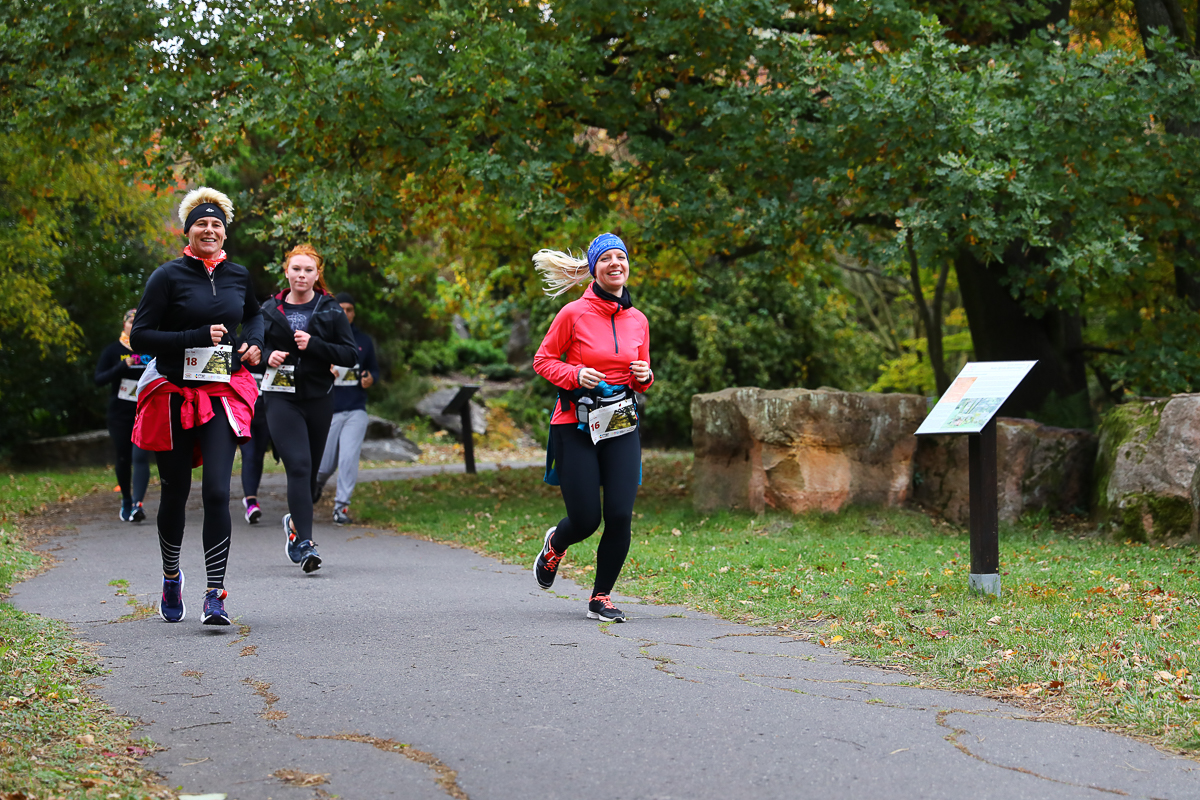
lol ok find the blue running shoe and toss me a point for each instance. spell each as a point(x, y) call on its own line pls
point(126, 510)
point(171, 607)
point(310, 560)
point(293, 544)
point(214, 607)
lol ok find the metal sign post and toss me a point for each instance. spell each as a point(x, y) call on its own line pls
point(985, 523)
point(969, 406)
point(461, 404)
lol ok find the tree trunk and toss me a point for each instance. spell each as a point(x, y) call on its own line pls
point(1001, 330)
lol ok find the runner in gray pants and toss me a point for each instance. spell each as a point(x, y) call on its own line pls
point(349, 424)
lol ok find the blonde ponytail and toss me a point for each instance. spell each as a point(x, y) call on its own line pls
point(560, 271)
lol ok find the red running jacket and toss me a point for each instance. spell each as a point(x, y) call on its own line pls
point(152, 425)
point(597, 333)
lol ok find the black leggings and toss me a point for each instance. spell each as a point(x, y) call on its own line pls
point(583, 467)
point(132, 464)
point(254, 450)
point(217, 446)
point(298, 431)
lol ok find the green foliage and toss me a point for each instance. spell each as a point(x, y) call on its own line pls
point(453, 354)
point(747, 326)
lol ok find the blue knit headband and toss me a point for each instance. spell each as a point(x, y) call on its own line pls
point(601, 245)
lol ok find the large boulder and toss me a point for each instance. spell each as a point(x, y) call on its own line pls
point(1038, 466)
point(1146, 468)
point(397, 449)
point(431, 406)
point(90, 449)
point(803, 450)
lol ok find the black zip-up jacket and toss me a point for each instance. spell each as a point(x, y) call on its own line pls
point(332, 343)
point(182, 301)
point(111, 369)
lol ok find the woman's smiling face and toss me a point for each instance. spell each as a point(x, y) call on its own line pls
point(206, 236)
point(612, 270)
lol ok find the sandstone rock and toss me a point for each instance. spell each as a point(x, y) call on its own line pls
point(803, 450)
point(1146, 467)
point(1039, 466)
point(93, 448)
point(431, 406)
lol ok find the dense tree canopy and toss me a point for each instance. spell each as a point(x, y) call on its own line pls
point(758, 154)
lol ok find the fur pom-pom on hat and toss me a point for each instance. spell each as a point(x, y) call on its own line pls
point(205, 196)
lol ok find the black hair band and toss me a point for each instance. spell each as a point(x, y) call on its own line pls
point(204, 210)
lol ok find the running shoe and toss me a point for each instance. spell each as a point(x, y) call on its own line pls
point(126, 511)
point(214, 607)
point(171, 607)
point(253, 512)
point(310, 561)
point(546, 565)
point(293, 544)
point(601, 607)
point(139, 513)
point(341, 516)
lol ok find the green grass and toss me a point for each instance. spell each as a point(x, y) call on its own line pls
point(55, 739)
point(1106, 632)
point(23, 493)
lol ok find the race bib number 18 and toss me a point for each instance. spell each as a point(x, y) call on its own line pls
point(213, 364)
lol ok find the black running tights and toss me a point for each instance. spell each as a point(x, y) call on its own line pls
point(132, 463)
point(583, 467)
point(298, 431)
point(254, 450)
point(217, 445)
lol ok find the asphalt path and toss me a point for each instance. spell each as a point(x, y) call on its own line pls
point(408, 669)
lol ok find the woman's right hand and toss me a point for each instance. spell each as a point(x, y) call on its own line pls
point(217, 332)
point(277, 358)
point(590, 378)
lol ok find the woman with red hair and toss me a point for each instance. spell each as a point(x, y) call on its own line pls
point(306, 333)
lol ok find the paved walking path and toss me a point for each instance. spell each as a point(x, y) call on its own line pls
point(501, 690)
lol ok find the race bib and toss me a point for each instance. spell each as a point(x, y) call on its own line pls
point(214, 364)
point(128, 390)
point(618, 419)
point(345, 376)
point(280, 379)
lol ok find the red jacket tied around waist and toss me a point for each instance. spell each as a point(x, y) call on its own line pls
point(152, 426)
point(597, 333)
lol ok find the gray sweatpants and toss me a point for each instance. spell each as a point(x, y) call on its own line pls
point(345, 440)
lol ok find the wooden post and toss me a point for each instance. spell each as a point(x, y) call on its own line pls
point(985, 524)
point(468, 439)
point(461, 404)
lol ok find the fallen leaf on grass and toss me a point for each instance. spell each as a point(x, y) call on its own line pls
point(994, 621)
point(676, 532)
point(294, 777)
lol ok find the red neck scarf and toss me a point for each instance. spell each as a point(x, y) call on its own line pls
point(209, 265)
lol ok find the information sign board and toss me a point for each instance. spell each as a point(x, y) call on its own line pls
point(975, 396)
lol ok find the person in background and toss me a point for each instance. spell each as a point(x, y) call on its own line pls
point(349, 424)
point(306, 334)
point(121, 368)
point(254, 450)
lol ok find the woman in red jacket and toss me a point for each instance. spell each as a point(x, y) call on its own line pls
point(597, 352)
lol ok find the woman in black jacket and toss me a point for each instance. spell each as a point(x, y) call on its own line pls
point(196, 401)
point(121, 368)
point(306, 332)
